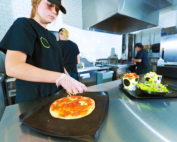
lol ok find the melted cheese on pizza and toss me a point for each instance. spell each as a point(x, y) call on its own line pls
point(72, 107)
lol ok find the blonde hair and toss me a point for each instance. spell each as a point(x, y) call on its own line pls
point(33, 11)
point(65, 33)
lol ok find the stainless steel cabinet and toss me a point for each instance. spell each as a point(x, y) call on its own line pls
point(2, 97)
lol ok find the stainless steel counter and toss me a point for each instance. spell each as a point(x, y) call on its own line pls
point(150, 120)
point(121, 65)
point(93, 68)
point(2, 93)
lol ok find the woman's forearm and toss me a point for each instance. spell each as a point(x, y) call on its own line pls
point(137, 60)
point(78, 59)
point(16, 66)
point(28, 72)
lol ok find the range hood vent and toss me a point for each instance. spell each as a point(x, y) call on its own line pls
point(118, 16)
point(159, 4)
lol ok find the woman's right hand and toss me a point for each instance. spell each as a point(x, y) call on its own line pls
point(70, 84)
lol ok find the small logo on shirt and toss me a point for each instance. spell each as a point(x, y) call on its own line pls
point(44, 42)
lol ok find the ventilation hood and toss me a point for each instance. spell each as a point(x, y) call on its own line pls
point(119, 16)
point(159, 4)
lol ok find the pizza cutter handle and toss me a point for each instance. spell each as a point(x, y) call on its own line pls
point(69, 94)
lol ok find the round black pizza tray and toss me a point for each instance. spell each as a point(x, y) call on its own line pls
point(39, 118)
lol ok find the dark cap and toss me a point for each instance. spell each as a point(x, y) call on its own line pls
point(61, 29)
point(58, 2)
point(139, 45)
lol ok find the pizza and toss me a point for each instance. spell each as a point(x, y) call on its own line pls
point(73, 107)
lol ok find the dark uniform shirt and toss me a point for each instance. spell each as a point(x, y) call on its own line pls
point(70, 51)
point(143, 55)
point(42, 51)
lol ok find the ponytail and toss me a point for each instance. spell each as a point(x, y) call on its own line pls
point(33, 11)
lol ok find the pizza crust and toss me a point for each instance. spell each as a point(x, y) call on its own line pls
point(55, 114)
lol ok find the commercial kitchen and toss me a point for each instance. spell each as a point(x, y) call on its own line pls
point(106, 32)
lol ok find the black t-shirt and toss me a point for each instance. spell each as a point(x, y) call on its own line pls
point(42, 51)
point(70, 51)
point(143, 55)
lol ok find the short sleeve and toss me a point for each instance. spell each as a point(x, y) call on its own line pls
point(77, 50)
point(18, 38)
point(139, 55)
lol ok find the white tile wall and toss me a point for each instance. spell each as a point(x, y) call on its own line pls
point(74, 13)
point(11, 10)
point(92, 45)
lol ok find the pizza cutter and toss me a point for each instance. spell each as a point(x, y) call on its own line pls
point(69, 94)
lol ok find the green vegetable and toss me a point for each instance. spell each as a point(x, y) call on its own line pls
point(152, 87)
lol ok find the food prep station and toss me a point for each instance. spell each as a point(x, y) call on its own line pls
point(88, 74)
point(128, 119)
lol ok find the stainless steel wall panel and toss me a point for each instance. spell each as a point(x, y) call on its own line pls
point(169, 43)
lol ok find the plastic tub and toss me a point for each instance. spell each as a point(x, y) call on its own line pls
point(104, 76)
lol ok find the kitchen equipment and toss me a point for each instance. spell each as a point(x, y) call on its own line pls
point(88, 77)
point(118, 16)
point(106, 61)
point(142, 95)
point(121, 69)
point(123, 57)
point(163, 50)
point(156, 48)
point(104, 76)
point(169, 43)
point(93, 63)
point(170, 63)
point(103, 61)
point(153, 63)
point(86, 62)
point(10, 86)
point(82, 65)
point(39, 119)
point(167, 71)
point(159, 4)
point(2, 62)
point(3, 98)
point(160, 62)
point(123, 61)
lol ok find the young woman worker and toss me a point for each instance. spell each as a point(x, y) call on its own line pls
point(33, 55)
point(70, 52)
